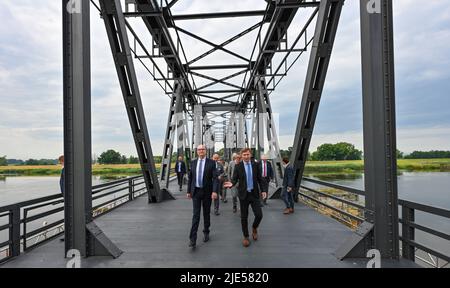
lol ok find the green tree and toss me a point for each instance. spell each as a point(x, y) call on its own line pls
point(400, 154)
point(110, 157)
point(133, 160)
point(336, 152)
point(3, 161)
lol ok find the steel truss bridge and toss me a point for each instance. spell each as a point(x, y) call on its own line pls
point(213, 102)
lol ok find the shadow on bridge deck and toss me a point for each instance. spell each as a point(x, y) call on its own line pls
point(157, 236)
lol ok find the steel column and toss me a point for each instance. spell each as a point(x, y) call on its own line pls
point(117, 34)
point(79, 227)
point(269, 123)
point(380, 170)
point(77, 124)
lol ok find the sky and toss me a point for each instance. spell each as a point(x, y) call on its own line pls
point(31, 121)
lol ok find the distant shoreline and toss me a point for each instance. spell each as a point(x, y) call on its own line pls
point(312, 167)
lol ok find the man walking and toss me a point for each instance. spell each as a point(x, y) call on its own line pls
point(230, 171)
point(180, 168)
point(202, 187)
point(266, 171)
point(251, 183)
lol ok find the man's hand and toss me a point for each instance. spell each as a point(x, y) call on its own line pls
point(214, 196)
point(264, 195)
point(189, 195)
point(227, 185)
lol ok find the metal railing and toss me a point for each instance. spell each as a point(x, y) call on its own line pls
point(22, 219)
point(350, 219)
point(410, 248)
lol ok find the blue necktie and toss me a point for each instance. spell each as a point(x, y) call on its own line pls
point(200, 174)
point(248, 168)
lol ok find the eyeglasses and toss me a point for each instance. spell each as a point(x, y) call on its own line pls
point(201, 149)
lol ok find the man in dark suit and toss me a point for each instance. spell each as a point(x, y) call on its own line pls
point(202, 187)
point(288, 187)
point(246, 173)
point(220, 177)
point(266, 170)
point(180, 169)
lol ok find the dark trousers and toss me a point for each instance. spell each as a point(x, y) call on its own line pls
point(257, 211)
point(199, 200)
point(219, 193)
point(180, 177)
point(288, 198)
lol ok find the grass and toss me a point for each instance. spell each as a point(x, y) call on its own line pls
point(312, 167)
point(403, 165)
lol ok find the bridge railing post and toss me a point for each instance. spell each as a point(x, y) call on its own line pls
point(408, 233)
point(15, 231)
point(130, 189)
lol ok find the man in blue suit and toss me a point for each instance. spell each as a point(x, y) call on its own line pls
point(202, 188)
point(251, 186)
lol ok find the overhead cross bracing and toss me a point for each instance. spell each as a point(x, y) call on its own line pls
point(219, 71)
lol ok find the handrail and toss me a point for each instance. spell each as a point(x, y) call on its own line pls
point(410, 246)
point(18, 240)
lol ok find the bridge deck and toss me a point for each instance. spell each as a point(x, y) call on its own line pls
point(157, 236)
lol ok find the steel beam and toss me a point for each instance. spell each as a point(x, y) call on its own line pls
point(117, 34)
point(219, 15)
point(175, 111)
point(325, 33)
point(271, 131)
point(380, 169)
point(77, 125)
point(77, 136)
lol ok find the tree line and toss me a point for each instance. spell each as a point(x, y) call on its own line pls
point(325, 152)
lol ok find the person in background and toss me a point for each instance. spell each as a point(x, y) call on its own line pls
point(61, 178)
point(180, 168)
point(234, 190)
point(266, 171)
point(288, 187)
point(225, 177)
point(61, 182)
point(220, 178)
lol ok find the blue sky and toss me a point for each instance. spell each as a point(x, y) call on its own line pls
point(31, 78)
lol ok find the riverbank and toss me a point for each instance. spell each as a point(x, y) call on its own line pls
point(312, 167)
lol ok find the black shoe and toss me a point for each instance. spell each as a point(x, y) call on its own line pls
point(216, 213)
point(192, 244)
point(234, 209)
point(62, 239)
point(206, 237)
point(225, 201)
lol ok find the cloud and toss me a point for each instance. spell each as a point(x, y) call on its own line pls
point(31, 77)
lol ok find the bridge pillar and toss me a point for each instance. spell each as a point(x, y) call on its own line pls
point(380, 163)
point(81, 233)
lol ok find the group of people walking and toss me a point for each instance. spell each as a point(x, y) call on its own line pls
point(247, 180)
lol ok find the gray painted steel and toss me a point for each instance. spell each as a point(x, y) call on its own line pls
point(379, 126)
point(120, 47)
point(77, 126)
point(325, 33)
